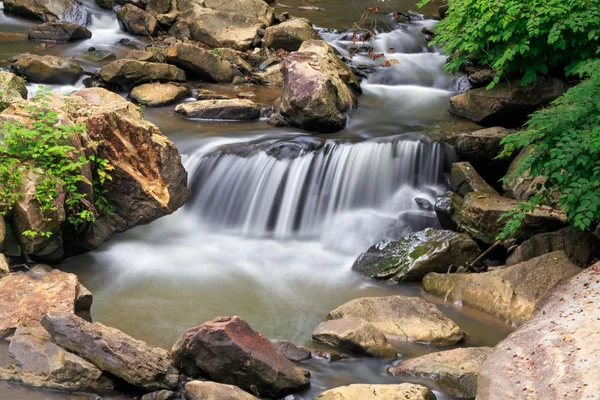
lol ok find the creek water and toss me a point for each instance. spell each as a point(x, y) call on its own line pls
point(278, 216)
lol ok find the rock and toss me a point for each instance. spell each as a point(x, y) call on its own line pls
point(180, 29)
point(289, 35)
point(424, 204)
point(204, 94)
point(198, 390)
point(556, 354)
point(231, 110)
point(159, 6)
point(580, 246)
point(416, 255)
point(26, 297)
point(199, 62)
point(271, 76)
point(130, 73)
point(161, 395)
point(403, 318)
point(480, 214)
point(443, 10)
point(141, 55)
point(355, 335)
point(290, 351)
point(509, 293)
point(227, 350)
point(4, 265)
point(455, 370)
point(136, 21)
point(49, 10)
point(403, 391)
point(99, 55)
point(464, 179)
point(59, 32)
point(159, 94)
point(106, 4)
point(331, 356)
point(236, 58)
point(13, 88)
point(246, 95)
point(523, 186)
point(113, 351)
point(508, 104)
point(46, 69)
point(447, 208)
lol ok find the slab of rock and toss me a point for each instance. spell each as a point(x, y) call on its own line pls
point(159, 94)
point(199, 390)
point(204, 94)
point(455, 370)
point(403, 318)
point(290, 350)
point(136, 21)
point(27, 297)
point(228, 110)
point(127, 74)
point(556, 354)
point(199, 62)
point(228, 351)
point(99, 55)
point(46, 69)
point(12, 87)
point(416, 255)
point(59, 32)
point(141, 55)
point(289, 35)
point(49, 10)
point(404, 391)
point(447, 208)
point(464, 179)
point(237, 58)
point(510, 293)
point(113, 351)
point(355, 335)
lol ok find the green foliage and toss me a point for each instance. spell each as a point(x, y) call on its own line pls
point(519, 37)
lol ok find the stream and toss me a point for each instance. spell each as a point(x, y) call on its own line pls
point(277, 216)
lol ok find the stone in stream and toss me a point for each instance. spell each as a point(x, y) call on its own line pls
point(161, 395)
point(403, 318)
point(290, 350)
point(201, 63)
point(99, 55)
point(4, 265)
point(141, 55)
point(49, 10)
point(199, 390)
point(136, 21)
point(229, 110)
point(59, 32)
point(127, 74)
point(355, 335)
point(227, 350)
point(12, 87)
point(237, 58)
point(159, 94)
point(556, 354)
point(113, 351)
point(455, 370)
point(464, 179)
point(509, 293)
point(289, 35)
point(447, 208)
point(416, 255)
point(46, 69)
point(204, 94)
point(403, 391)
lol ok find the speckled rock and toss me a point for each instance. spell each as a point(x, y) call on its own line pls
point(404, 391)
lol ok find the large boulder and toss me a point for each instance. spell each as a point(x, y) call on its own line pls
point(455, 370)
point(46, 69)
point(12, 88)
point(356, 335)
point(141, 55)
point(159, 94)
point(509, 293)
point(229, 110)
point(416, 255)
point(289, 35)
point(127, 74)
point(113, 351)
point(199, 390)
point(227, 350)
point(403, 391)
point(403, 318)
point(464, 179)
point(508, 104)
point(204, 64)
point(59, 32)
point(49, 10)
point(136, 21)
point(27, 297)
point(556, 354)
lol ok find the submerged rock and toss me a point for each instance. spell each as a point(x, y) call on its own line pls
point(230, 110)
point(198, 390)
point(289, 35)
point(355, 335)
point(200, 62)
point(46, 69)
point(136, 21)
point(130, 73)
point(159, 94)
point(290, 350)
point(404, 391)
point(49, 10)
point(59, 32)
point(464, 179)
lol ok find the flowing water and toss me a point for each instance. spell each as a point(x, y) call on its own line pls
point(278, 216)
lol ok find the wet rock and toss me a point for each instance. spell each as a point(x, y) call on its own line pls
point(508, 104)
point(227, 350)
point(49, 10)
point(12, 87)
point(131, 44)
point(26, 297)
point(46, 69)
point(232, 110)
point(198, 390)
point(161, 395)
point(290, 350)
point(455, 370)
point(464, 179)
point(331, 356)
point(443, 10)
point(113, 351)
point(509, 293)
point(130, 73)
point(479, 76)
point(59, 32)
point(403, 318)
point(447, 208)
point(404, 391)
point(424, 204)
point(199, 62)
point(271, 76)
point(99, 55)
point(523, 186)
point(141, 55)
point(136, 21)
point(180, 29)
point(416, 255)
point(159, 94)
point(106, 4)
point(289, 35)
point(355, 335)
point(556, 354)
point(204, 94)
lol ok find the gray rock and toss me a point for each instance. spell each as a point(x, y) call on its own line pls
point(159, 94)
point(49, 10)
point(161, 395)
point(59, 32)
point(199, 62)
point(198, 390)
point(464, 179)
point(290, 350)
point(46, 69)
point(13, 88)
point(230, 110)
point(136, 21)
point(355, 335)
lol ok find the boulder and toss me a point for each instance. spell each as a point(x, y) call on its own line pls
point(509, 293)
point(464, 179)
point(416, 255)
point(198, 390)
point(159, 94)
point(159, 6)
point(290, 350)
point(59, 32)
point(237, 58)
point(204, 94)
point(12, 88)
point(403, 318)
point(4, 265)
point(141, 55)
point(523, 186)
point(46, 69)
point(26, 297)
point(289, 35)
point(99, 55)
point(447, 208)
point(257, 9)
point(180, 29)
point(130, 73)
point(403, 391)
point(227, 350)
point(456, 371)
point(161, 395)
point(49, 10)
point(271, 76)
point(199, 62)
point(508, 104)
point(112, 351)
point(355, 335)
point(136, 21)
point(230, 110)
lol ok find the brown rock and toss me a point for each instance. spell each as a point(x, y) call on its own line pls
point(198, 390)
point(289, 35)
point(290, 351)
point(404, 391)
point(4, 266)
point(136, 21)
point(464, 179)
point(49, 10)
point(230, 110)
point(46, 69)
point(59, 32)
point(355, 335)
point(200, 62)
point(159, 94)
point(130, 73)
point(141, 55)
point(12, 87)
